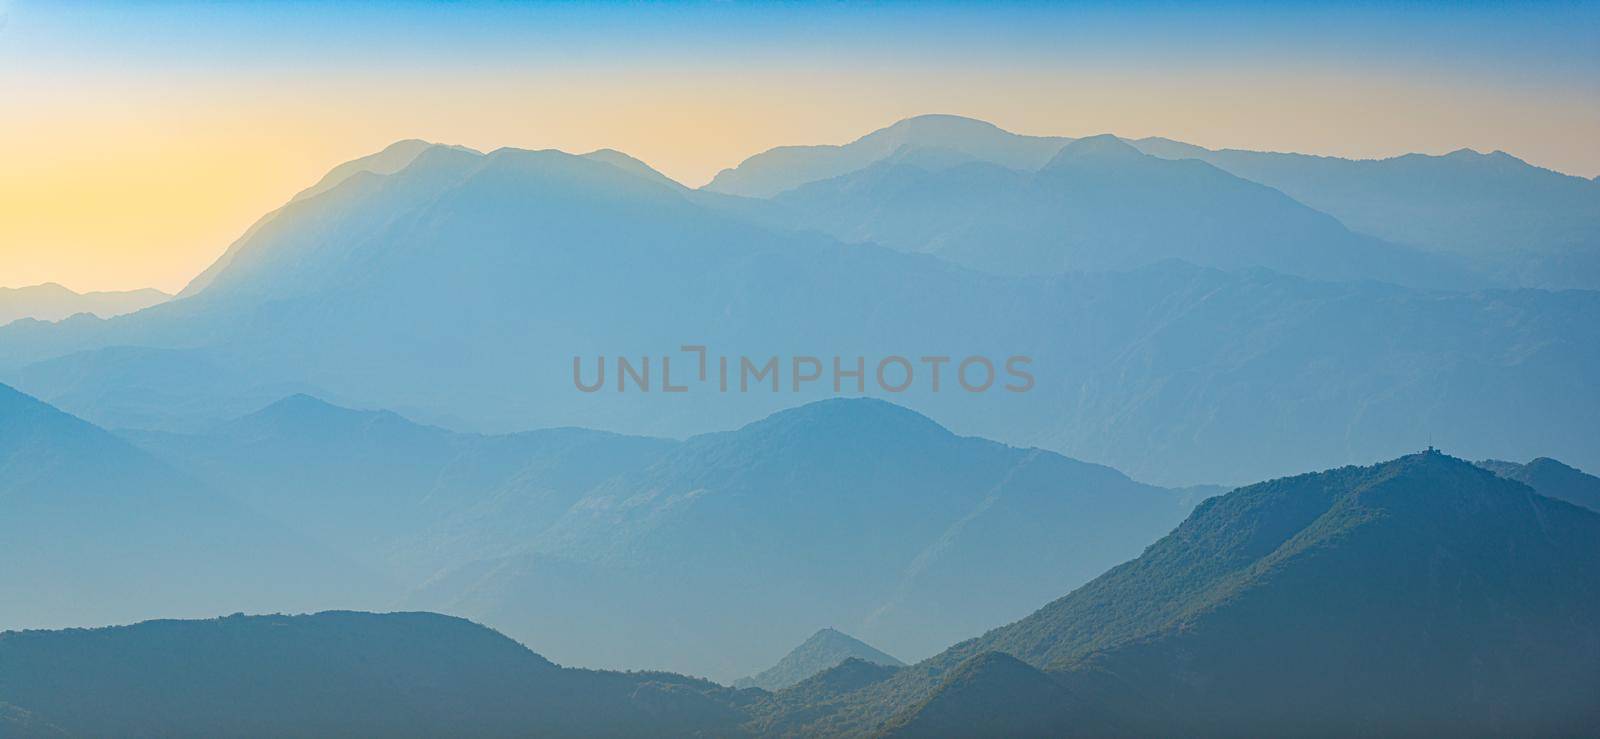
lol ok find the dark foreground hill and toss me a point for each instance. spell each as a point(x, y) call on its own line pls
point(1422, 596)
point(1419, 597)
point(331, 674)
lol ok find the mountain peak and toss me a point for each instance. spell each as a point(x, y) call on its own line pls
point(784, 168)
point(393, 158)
point(849, 416)
point(632, 165)
point(301, 415)
point(1101, 147)
point(941, 123)
point(823, 651)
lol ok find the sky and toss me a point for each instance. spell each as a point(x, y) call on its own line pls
point(137, 140)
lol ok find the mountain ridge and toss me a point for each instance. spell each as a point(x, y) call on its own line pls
point(820, 652)
point(1257, 614)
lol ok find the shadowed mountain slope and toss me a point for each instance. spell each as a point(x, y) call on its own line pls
point(1552, 479)
point(1418, 596)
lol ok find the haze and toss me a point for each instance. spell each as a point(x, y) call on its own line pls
point(140, 139)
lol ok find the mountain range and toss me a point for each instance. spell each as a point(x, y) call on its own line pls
point(1523, 224)
point(622, 551)
point(95, 531)
point(705, 556)
point(1493, 214)
point(1098, 204)
point(52, 302)
point(513, 263)
point(1419, 596)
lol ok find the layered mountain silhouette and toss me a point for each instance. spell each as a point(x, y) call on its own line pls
point(785, 168)
point(1551, 478)
point(403, 498)
point(623, 551)
point(1502, 217)
point(824, 650)
point(458, 289)
point(1525, 224)
point(1099, 204)
point(331, 674)
point(52, 302)
point(852, 512)
point(94, 531)
point(1419, 596)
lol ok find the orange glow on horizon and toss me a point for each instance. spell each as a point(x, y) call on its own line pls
point(119, 181)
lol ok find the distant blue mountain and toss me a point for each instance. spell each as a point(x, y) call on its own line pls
point(1523, 224)
point(785, 168)
point(52, 302)
point(713, 555)
point(403, 498)
point(1099, 204)
point(95, 531)
point(824, 650)
point(1512, 222)
point(458, 289)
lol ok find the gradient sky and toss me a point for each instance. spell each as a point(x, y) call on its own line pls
point(138, 139)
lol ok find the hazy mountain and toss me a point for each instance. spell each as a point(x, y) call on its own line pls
point(395, 157)
point(1521, 224)
point(1527, 224)
point(1552, 479)
point(852, 512)
point(458, 290)
point(1098, 204)
point(1419, 596)
point(332, 674)
point(94, 531)
point(787, 167)
point(623, 551)
point(632, 166)
point(825, 649)
point(401, 497)
point(153, 387)
point(52, 302)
